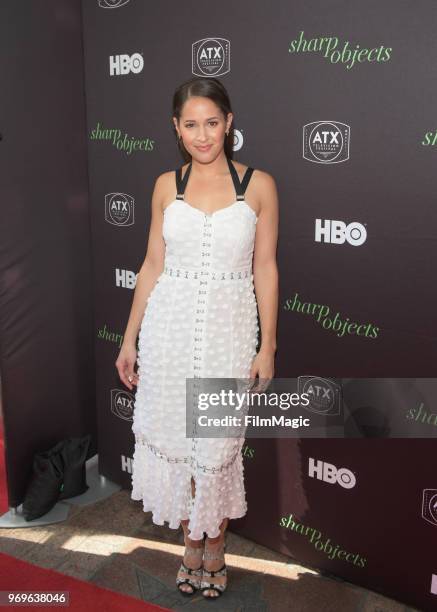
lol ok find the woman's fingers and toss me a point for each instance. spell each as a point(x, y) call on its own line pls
point(124, 377)
point(132, 376)
point(126, 373)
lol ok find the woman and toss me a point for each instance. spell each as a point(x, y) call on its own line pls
point(210, 251)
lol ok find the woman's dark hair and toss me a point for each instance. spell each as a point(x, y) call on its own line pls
point(208, 87)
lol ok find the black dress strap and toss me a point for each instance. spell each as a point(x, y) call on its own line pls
point(240, 188)
point(246, 179)
point(181, 183)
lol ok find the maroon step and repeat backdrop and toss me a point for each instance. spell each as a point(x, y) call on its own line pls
point(47, 363)
point(337, 102)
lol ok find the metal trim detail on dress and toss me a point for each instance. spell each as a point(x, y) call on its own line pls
point(141, 440)
point(198, 348)
point(214, 274)
point(202, 299)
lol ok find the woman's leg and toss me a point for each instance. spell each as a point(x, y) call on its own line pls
point(192, 558)
point(215, 547)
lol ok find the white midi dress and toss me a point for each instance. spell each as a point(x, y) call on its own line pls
point(200, 321)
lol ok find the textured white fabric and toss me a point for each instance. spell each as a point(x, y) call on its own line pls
point(194, 327)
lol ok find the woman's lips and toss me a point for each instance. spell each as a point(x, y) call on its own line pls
point(206, 148)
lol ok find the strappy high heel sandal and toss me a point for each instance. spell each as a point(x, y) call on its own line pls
point(214, 580)
point(189, 576)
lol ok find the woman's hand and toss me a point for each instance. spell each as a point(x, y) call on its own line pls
point(125, 365)
point(263, 366)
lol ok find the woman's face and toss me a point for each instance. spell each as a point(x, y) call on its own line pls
point(202, 128)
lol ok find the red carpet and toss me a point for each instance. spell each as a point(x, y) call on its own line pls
point(18, 575)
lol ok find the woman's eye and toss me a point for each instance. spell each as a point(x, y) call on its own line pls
point(213, 123)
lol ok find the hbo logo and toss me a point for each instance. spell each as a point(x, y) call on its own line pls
point(329, 473)
point(123, 64)
point(125, 278)
point(337, 232)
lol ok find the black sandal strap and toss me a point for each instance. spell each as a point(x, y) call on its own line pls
point(211, 573)
point(211, 588)
point(194, 581)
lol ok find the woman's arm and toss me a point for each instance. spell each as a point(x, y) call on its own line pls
point(152, 266)
point(265, 271)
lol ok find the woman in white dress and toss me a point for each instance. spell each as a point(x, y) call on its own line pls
point(209, 271)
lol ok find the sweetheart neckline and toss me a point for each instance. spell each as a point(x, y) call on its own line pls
point(176, 201)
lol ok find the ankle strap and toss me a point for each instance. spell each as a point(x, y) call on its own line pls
point(214, 554)
point(193, 550)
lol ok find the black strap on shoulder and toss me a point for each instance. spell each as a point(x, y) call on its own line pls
point(181, 183)
point(246, 178)
point(240, 188)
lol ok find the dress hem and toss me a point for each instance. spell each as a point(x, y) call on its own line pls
point(177, 524)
